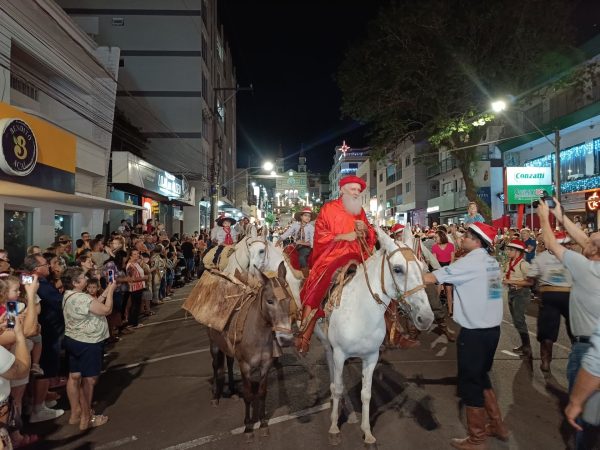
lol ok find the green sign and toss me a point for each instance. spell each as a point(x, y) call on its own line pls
point(527, 184)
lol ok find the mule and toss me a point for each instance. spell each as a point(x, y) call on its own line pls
point(267, 318)
point(357, 326)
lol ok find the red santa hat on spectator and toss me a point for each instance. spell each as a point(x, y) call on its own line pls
point(353, 179)
point(518, 244)
point(562, 237)
point(484, 231)
point(397, 228)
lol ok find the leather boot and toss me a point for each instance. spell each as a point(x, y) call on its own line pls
point(496, 427)
point(307, 327)
point(525, 348)
point(413, 333)
point(546, 354)
point(476, 418)
point(443, 326)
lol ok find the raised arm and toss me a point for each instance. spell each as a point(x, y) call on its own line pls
point(574, 231)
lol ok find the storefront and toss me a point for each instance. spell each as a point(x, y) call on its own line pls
point(38, 197)
point(159, 194)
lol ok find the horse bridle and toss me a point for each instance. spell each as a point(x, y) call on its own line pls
point(281, 291)
point(401, 295)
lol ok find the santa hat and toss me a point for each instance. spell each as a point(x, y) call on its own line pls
point(306, 210)
point(397, 228)
point(562, 237)
point(484, 231)
point(518, 244)
point(353, 179)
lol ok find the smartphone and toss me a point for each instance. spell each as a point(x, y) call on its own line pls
point(26, 278)
point(111, 276)
point(11, 314)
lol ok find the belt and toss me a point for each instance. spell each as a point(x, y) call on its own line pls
point(581, 339)
point(554, 289)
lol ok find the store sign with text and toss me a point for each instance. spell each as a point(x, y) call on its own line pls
point(527, 184)
point(130, 169)
point(592, 201)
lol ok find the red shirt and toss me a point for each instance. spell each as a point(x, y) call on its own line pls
point(443, 255)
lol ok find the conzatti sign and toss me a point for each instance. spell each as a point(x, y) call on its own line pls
point(529, 176)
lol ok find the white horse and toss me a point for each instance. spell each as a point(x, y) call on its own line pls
point(357, 326)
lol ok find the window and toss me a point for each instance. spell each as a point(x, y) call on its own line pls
point(24, 87)
point(399, 189)
point(390, 172)
point(448, 187)
point(18, 234)
point(204, 49)
point(205, 87)
point(407, 187)
point(407, 161)
point(220, 51)
point(565, 102)
point(381, 177)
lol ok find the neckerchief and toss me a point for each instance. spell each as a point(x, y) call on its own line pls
point(511, 266)
point(228, 238)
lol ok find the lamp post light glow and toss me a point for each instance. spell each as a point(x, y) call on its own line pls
point(498, 106)
point(268, 166)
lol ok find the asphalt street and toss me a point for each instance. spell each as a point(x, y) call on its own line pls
point(156, 392)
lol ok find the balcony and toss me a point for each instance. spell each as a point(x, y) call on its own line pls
point(449, 201)
point(433, 171)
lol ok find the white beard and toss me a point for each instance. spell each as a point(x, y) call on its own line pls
point(352, 205)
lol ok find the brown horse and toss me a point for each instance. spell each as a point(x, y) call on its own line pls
point(268, 316)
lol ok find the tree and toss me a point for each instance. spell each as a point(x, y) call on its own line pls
point(432, 66)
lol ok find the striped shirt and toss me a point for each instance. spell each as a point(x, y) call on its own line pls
point(135, 271)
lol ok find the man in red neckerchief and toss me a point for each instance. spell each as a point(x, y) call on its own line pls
point(340, 227)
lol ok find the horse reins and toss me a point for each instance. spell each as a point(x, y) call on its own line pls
point(402, 295)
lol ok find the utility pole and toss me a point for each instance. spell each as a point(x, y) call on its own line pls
point(557, 161)
point(215, 165)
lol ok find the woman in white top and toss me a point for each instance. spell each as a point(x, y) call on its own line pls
point(86, 329)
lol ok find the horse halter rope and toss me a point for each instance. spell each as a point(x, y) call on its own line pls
point(409, 255)
point(281, 292)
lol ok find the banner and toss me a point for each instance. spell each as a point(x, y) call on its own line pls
point(527, 184)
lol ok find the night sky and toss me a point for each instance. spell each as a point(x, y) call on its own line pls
point(290, 52)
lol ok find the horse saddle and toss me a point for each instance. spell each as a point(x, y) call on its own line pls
point(340, 278)
point(217, 257)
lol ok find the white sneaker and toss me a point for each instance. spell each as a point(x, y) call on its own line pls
point(51, 403)
point(44, 414)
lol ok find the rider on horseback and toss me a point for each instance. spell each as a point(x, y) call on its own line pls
point(303, 231)
point(342, 234)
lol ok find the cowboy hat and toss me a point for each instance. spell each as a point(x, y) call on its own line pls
point(222, 218)
point(306, 210)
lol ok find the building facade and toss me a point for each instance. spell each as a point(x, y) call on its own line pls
point(176, 80)
point(56, 114)
point(346, 161)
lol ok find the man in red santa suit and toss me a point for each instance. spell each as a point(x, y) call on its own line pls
point(339, 226)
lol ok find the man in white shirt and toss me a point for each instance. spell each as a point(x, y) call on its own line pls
point(477, 281)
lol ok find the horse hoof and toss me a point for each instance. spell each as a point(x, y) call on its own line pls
point(335, 439)
point(214, 402)
point(353, 417)
point(370, 441)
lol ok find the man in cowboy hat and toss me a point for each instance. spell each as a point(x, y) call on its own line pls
point(342, 234)
point(477, 281)
point(303, 231)
point(519, 294)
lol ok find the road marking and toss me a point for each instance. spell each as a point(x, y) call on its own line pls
point(535, 336)
point(174, 300)
point(117, 443)
point(153, 360)
point(510, 353)
point(163, 321)
point(275, 420)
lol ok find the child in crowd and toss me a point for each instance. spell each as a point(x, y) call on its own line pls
point(147, 294)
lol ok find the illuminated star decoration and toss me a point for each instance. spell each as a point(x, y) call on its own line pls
point(344, 148)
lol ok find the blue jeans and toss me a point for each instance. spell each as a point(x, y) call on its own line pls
point(190, 264)
point(577, 351)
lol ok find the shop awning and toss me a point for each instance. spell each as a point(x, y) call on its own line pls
point(15, 190)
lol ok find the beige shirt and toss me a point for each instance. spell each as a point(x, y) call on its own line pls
point(80, 323)
point(519, 272)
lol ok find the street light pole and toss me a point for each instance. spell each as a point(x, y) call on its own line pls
point(500, 106)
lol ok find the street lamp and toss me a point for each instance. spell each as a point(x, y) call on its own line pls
point(499, 106)
point(268, 166)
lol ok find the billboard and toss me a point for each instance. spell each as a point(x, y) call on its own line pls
point(526, 184)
